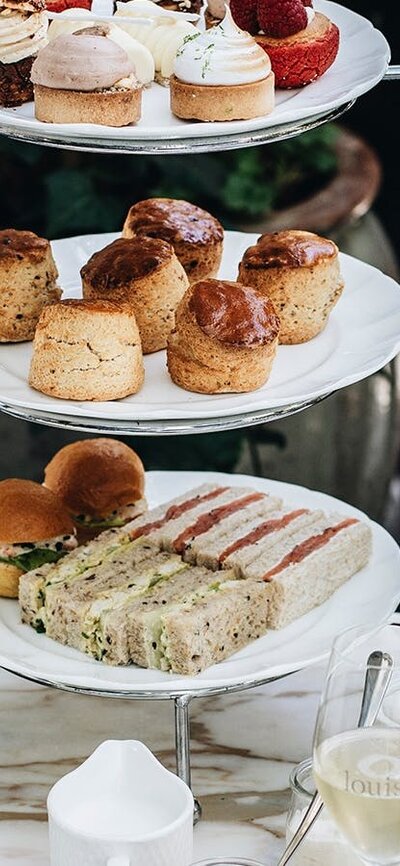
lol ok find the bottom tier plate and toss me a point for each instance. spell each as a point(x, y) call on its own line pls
point(370, 596)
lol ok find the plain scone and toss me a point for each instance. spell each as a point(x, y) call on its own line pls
point(196, 236)
point(300, 272)
point(146, 274)
point(28, 276)
point(225, 339)
point(87, 350)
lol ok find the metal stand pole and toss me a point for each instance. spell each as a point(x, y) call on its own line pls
point(182, 742)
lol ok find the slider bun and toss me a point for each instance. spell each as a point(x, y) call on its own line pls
point(30, 513)
point(9, 580)
point(96, 476)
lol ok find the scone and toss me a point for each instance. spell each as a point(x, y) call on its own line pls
point(28, 276)
point(225, 339)
point(146, 274)
point(87, 350)
point(196, 236)
point(86, 77)
point(301, 44)
point(23, 28)
point(221, 75)
point(300, 273)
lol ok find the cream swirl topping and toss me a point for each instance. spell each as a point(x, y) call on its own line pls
point(224, 55)
point(21, 34)
point(81, 62)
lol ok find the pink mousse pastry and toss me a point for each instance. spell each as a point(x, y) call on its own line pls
point(86, 78)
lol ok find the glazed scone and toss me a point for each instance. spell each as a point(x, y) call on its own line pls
point(225, 339)
point(221, 75)
point(196, 236)
point(85, 77)
point(300, 272)
point(146, 274)
point(28, 282)
point(87, 350)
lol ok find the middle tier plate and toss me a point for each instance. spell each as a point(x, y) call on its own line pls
point(362, 335)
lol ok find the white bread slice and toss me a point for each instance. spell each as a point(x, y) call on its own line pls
point(241, 560)
point(198, 635)
point(299, 587)
point(187, 501)
point(171, 531)
point(206, 548)
point(65, 602)
point(33, 584)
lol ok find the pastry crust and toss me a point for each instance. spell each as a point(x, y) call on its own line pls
point(28, 277)
point(196, 236)
point(146, 274)
point(300, 273)
point(210, 103)
point(300, 59)
point(107, 107)
point(87, 350)
point(209, 365)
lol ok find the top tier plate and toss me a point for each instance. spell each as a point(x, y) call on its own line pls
point(362, 62)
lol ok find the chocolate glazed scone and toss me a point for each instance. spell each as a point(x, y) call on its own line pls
point(87, 350)
point(300, 272)
point(225, 339)
point(196, 236)
point(28, 276)
point(146, 274)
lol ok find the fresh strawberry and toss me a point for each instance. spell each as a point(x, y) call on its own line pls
point(61, 5)
point(281, 18)
point(244, 14)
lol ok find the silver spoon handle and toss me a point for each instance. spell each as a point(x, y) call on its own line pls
point(379, 673)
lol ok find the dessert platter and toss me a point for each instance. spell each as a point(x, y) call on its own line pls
point(166, 125)
point(358, 340)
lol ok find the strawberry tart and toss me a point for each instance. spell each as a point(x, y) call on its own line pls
point(300, 42)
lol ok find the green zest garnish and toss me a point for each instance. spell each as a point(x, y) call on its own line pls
point(34, 558)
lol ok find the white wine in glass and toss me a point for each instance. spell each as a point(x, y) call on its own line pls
point(357, 770)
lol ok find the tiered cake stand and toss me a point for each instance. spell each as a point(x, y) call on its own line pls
point(359, 340)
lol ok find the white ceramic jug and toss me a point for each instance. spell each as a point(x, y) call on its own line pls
point(121, 807)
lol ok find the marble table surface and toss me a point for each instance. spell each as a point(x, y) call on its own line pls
point(243, 749)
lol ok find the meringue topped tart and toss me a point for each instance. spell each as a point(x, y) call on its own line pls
point(221, 75)
point(85, 77)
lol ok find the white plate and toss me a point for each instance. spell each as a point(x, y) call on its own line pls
point(370, 596)
point(362, 335)
point(362, 62)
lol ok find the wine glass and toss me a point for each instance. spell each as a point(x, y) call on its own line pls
point(357, 770)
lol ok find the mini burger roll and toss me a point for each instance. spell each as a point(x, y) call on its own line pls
point(225, 339)
point(146, 274)
point(100, 481)
point(196, 236)
point(35, 529)
point(300, 272)
point(87, 350)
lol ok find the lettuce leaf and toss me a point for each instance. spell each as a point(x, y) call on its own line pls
point(34, 558)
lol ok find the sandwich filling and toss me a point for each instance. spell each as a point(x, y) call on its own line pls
point(118, 517)
point(30, 555)
point(305, 548)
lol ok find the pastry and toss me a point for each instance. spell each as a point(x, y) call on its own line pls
point(23, 28)
point(86, 78)
point(87, 350)
point(225, 339)
point(196, 236)
point(145, 273)
point(300, 273)
point(222, 74)
point(72, 20)
point(301, 43)
point(163, 37)
point(100, 481)
point(35, 529)
point(150, 601)
point(28, 282)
